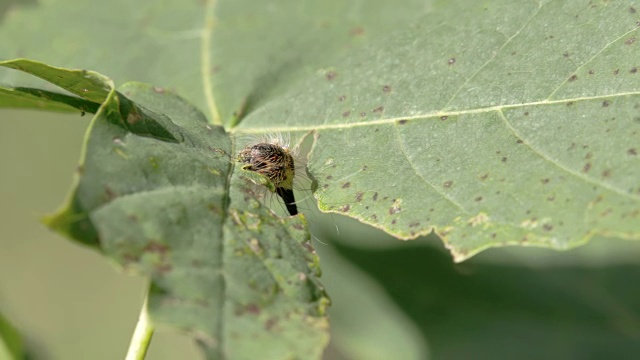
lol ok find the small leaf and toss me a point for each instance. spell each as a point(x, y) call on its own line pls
point(43, 100)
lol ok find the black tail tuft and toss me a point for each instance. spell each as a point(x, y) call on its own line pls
point(289, 200)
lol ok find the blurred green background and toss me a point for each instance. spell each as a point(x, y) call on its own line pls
point(392, 299)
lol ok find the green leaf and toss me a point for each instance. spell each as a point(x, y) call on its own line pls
point(365, 322)
point(245, 52)
point(10, 341)
point(157, 193)
point(492, 124)
point(497, 311)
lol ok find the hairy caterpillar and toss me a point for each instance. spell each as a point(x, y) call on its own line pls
point(272, 158)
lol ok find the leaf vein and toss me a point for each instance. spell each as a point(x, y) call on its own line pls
point(415, 170)
point(424, 116)
point(205, 61)
point(589, 61)
point(507, 42)
point(561, 166)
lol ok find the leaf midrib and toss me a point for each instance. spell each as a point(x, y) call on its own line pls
point(205, 62)
point(431, 115)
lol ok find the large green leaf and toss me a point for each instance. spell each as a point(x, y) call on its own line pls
point(492, 124)
point(495, 123)
point(157, 193)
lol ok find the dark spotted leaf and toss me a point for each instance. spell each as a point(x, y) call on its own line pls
point(157, 193)
point(489, 129)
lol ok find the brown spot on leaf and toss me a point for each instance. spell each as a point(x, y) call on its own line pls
point(632, 151)
point(447, 184)
point(526, 113)
point(133, 117)
point(504, 159)
point(586, 167)
point(478, 199)
point(633, 70)
point(519, 141)
point(253, 309)
point(545, 181)
point(357, 31)
point(573, 77)
point(346, 113)
point(158, 90)
point(155, 247)
point(402, 122)
point(345, 208)
point(605, 103)
point(214, 209)
point(632, 10)
point(163, 268)
point(342, 98)
point(616, 71)
point(547, 227)
point(394, 221)
point(606, 173)
point(269, 324)
point(363, 114)
point(591, 72)
point(444, 117)
point(109, 193)
point(378, 109)
point(630, 41)
point(386, 88)
point(330, 75)
point(484, 176)
point(375, 196)
point(359, 196)
point(451, 61)
point(346, 185)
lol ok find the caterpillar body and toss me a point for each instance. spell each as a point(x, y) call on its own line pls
point(272, 158)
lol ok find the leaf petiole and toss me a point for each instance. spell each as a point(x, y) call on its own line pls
point(141, 335)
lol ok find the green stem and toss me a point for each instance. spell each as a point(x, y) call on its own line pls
point(141, 335)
